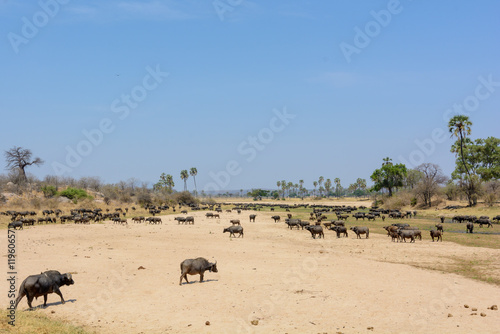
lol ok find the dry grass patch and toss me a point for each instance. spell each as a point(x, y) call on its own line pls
point(29, 322)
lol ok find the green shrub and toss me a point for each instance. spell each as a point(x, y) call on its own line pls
point(413, 201)
point(74, 194)
point(49, 191)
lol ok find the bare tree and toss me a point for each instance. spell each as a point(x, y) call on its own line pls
point(431, 178)
point(18, 159)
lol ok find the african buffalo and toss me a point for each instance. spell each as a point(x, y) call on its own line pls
point(252, 218)
point(234, 229)
point(196, 266)
point(470, 228)
point(316, 230)
point(340, 230)
point(484, 221)
point(43, 284)
point(407, 234)
point(436, 234)
point(361, 230)
point(16, 224)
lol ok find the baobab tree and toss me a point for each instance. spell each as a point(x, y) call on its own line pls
point(19, 158)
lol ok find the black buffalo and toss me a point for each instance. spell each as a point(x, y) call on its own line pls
point(196, 266)
point(16, 224)
point(35, 286)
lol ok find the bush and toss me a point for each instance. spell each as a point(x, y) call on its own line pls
point(413, 201)
point(144, 198)
point(397, 201)
point(36, 203)
point(185, 198)
point(125, 198)
point(49, 191)
point(74, 194)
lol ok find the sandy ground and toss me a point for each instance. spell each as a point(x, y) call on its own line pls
point(286, 280)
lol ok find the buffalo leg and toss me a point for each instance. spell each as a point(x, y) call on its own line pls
point(59, 293)
point(30, 299)
point(201, 277)
point(185, 277)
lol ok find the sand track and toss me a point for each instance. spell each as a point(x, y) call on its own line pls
point(284, 279)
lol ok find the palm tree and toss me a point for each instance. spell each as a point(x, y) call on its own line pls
point(169, 182)
point(315, 184)
point(184, 177)
point(283, 187)
point(328, 187)
point(337, 186)
point(320, 183)
point(459, 127)
point(301, 187)
point(193, 172)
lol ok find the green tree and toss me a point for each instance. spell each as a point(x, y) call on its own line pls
point(389, 176)
point(193, 172)
point(259, 193)
point(184, 177)
point(315, 184)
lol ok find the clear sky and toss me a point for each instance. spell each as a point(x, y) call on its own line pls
point(248, 92)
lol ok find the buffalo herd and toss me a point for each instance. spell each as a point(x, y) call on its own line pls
point(50, 281)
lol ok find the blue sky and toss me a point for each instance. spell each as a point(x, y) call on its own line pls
point(248, 92)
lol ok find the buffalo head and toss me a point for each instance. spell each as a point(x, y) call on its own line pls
point(67, 279)
point(213, 267)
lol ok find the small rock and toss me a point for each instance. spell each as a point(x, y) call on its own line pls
point(473, 313)
point(466, 306)
point(450, 315)
point(207, 323)
point(141, 267)
point(55, 312)
point(255, 322)
point(494, 308)
point(483, 314)
point(474, 309)
point(370, 328)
